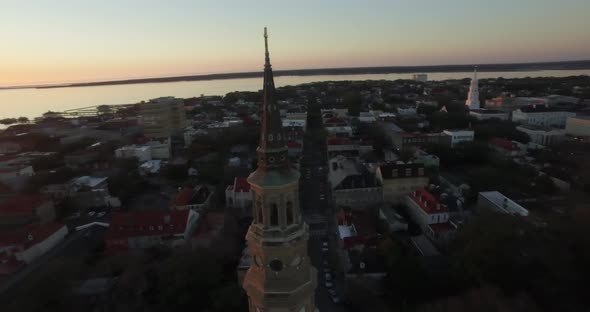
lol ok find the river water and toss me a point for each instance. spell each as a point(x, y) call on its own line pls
point(34, 102)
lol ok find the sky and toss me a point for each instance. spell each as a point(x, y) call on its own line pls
point(49, 41)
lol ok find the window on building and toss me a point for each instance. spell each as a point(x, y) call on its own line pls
point(274, 215)
point(290, 216)
point(408, 172)
point(259, 213)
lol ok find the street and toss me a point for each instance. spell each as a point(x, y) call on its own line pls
point(318, 233)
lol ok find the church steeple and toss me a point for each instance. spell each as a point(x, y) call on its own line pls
point(281, 276)
point(272, 150)
point(472, 101)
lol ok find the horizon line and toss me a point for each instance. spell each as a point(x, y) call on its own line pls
point(481, 67)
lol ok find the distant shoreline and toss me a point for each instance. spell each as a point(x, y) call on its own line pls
point(513, 67)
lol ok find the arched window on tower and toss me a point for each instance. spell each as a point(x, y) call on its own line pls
point(290, 215)
point(274, 215)
point(259, 215)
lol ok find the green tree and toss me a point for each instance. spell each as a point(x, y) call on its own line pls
point(353, 100)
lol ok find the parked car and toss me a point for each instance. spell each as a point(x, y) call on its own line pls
point(100, 214)
point(91, 213)
point(324, 249)
point(325, 244)
point(332, 292)
point(328, 277)
point(329, 284)
point(335, 299)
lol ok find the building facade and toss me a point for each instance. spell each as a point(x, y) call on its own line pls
point(458, 136)
point(472, 101)
point(541, 115)
point(401, 179)
point(281, 276)
point(543, 135)
point(162, 117)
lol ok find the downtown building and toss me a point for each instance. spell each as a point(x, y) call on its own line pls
point(162, 117)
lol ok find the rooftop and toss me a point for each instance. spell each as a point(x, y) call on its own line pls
point(148, 223)
point(22, 204)
point(29, 235)
point(427, 201)
point(504, 203)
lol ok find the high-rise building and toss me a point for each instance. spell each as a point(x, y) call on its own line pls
point(420, 77)
point(162, 117)
point(281, 277)
point(472, 101)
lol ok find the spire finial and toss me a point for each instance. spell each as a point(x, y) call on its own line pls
point(266, 56)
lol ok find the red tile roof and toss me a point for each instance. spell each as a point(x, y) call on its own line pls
point(293, 144)
point(147, 223)
point(22, 204)
point(503, 143)
point(241, 185)
point(184, 196)
point(441, 227)
point(339, 141)
point(20, 237)
point(427, 201)
point(209, 225)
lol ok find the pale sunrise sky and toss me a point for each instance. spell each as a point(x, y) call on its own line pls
point(52, 41)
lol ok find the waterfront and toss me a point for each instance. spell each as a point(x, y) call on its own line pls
point(34, 102)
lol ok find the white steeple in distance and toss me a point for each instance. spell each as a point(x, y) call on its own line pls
point(473, 97)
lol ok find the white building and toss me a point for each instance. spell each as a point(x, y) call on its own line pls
point(496, 201)
point(406, 110)
point(341, 131)
point(239, 196)
point(429, 214)
point(472, 101)
point(420, 77)
point(458, 136)
point(367, 117)
point(541, 115)
point(142, 153)
point(354, 185)
point(543, 135)
point(148, 151)
point(482, 114)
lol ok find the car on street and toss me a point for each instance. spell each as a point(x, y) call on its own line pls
point(328, 277)
point(335, 299)
point(325, 244)
point(324, 249)
point(100, 214)
point(329, 284)
point(332, 292)
point(91, 213)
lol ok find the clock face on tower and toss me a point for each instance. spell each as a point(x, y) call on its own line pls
point(276, 265)
point(296, 261)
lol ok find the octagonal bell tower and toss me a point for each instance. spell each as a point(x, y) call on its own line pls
point(281, 277)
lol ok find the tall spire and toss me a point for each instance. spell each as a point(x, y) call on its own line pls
point(472, 101)
point(272, 150)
